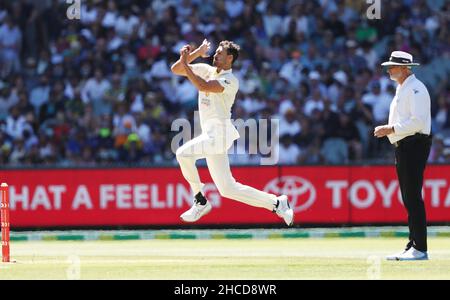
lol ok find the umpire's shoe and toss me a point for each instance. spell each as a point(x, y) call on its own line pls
point(283, 210)
point(410, 254)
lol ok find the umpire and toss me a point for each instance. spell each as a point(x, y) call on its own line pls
point(409, 130)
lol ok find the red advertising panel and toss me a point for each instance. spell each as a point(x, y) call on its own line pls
point(157, 196)
point(359, 195)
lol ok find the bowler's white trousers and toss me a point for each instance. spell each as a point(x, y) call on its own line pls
point(210, 147)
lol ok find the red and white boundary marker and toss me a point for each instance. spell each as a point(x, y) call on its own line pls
point(4, 217)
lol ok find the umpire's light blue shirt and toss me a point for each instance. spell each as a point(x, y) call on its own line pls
point(410, 110)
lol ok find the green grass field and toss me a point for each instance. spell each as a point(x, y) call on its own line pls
point(326, 258)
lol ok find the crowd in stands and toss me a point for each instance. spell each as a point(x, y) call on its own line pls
point(98, 90)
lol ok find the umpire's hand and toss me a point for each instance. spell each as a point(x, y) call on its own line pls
point(382, 131)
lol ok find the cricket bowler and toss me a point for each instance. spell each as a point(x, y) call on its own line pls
point(217, 88)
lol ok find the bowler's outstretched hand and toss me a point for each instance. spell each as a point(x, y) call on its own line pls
point(204, 48)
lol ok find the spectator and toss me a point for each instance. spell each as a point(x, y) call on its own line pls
point(18, 154)
point(111, 15)
point(126, 23)
point(442, 115)
point(312, 154)
point(273, 23)
point(438, 151)
point(56, 103)
point(329, 121)
point(355, 61)
point(40, 94)
point(379, 101)
point(16, 124)
point(10, 47)
point(124, 124)
point(366, 50)
point(297, 19)
point(362, 116)
point(292, 69)
point(336, 26)
point(289, 153)
point(94, 92)
point(348, 131)
point(7, 100)
point(289, 125)
point(143, 130)
point(316, 84)
point(234, 8)
point(316, 102)
point(24, 105)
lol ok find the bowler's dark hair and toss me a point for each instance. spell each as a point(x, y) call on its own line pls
point(231, 48)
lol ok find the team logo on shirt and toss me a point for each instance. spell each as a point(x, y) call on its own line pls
point(205, 101)
point(416, 91)
point(226, 81)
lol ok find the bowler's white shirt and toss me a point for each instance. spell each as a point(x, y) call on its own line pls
point(410, 110)
point(215, 108)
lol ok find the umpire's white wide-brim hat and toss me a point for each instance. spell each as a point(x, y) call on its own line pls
point(400, 58)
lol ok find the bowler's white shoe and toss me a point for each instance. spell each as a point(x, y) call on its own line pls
point(196, 212)
point(283, 210)
point(410, 254)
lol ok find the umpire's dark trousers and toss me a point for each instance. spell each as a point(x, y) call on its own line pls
point(411, 155)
